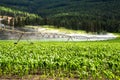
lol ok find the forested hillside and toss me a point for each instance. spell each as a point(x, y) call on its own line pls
point(18, 18)
point(52, 7)
point(89, 15)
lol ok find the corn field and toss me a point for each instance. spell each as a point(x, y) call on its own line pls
point(60, 60)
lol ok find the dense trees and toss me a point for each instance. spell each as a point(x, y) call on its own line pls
point(53, 7)
point(19, 21)
point(18, 18)
point(86, 22)
point(89, 15)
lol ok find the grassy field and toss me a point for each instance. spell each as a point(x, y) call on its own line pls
point(61, 29)
point(98, 60)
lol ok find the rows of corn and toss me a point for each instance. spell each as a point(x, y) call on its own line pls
point(73, 60)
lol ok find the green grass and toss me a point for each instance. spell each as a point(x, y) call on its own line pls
point(61, 29)
point(116, 39)
point(13, 11)
point(117, 34)
point(74, 60)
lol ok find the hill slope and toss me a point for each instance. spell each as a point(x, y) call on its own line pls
point(89, 15)
point(17, 18)
point(51, 7)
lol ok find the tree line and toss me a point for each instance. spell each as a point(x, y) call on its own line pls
point(87, 22)
point(21, 21)
point(18, 18)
